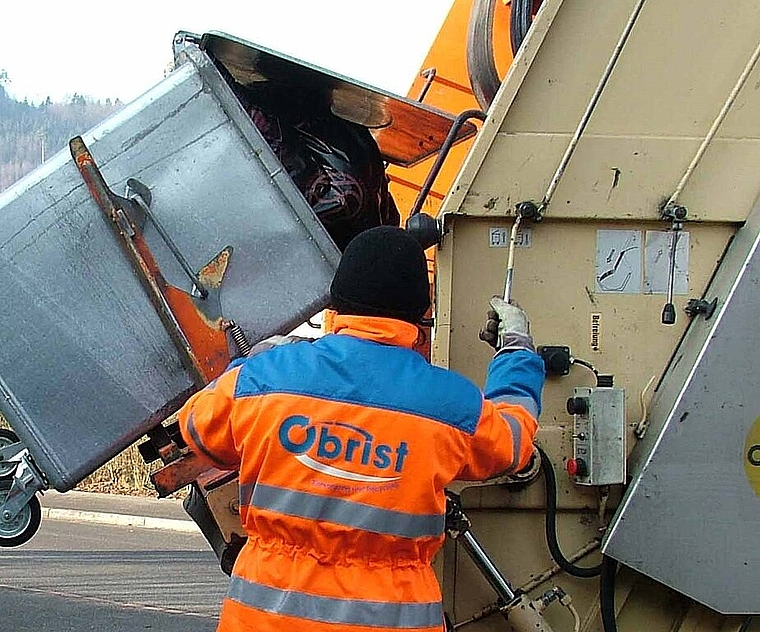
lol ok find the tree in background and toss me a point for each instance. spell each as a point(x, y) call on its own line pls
point(29, 134)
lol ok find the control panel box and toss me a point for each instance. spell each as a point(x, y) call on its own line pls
point(599, 452)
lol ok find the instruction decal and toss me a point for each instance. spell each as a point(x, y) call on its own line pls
point(625, 265)
point(499, 237)
point(618, 261)
point(657, 262)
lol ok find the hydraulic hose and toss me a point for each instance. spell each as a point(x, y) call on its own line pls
point(551, 525)
point(607, 593)
point(481, 65)
point(481, 62)
point(521, 17)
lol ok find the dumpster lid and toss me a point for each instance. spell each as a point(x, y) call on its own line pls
point(406, 131)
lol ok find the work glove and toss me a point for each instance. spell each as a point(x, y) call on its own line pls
point(507, 328)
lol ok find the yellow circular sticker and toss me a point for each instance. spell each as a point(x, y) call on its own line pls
point(752, 456)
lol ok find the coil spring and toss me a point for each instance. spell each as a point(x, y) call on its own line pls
point(238, 337)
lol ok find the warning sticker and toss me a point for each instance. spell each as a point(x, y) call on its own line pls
point(752, 457)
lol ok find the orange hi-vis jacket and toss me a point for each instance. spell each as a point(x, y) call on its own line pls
point(344, 447)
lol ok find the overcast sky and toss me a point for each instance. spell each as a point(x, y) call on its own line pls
point(119, 50)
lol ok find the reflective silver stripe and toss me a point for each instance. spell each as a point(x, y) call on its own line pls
point(381, 614)
point(528, 403)
point(340, 511)
point(245, 491)
point(199, 444)
point(516, 428)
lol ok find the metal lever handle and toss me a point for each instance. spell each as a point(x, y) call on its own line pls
point(137, 193)
point(511, 259)
point(458, 528)
point(669, 311)
point(677, 214)
point(524, 210)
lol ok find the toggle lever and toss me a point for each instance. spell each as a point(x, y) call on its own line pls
point(523, 211)
point(676, 215)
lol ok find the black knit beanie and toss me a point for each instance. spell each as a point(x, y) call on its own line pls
point(383, 272)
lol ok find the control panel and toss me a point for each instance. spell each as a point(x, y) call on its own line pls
point(599, 453)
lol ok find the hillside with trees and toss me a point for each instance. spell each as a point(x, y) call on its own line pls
point(31, 133)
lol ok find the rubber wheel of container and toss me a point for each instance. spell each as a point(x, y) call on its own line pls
point(7, 437)
point(21, 528)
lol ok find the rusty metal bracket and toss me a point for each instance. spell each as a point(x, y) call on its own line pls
point(193, 320)
point(181, 472)
point(193, 323)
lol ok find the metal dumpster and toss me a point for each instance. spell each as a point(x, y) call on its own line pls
point(165, 238)
point(86, 365)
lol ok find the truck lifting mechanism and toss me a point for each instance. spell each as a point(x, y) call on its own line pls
point(593, 162)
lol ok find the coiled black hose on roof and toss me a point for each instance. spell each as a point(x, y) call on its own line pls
point(481, 63)
point(521, 17)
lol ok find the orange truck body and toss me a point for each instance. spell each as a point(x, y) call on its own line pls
point(449, 90)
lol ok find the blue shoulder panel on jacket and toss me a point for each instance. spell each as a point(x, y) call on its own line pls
point(347, 369)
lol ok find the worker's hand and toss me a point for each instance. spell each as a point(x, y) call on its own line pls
point(507, 327)
point(275, 341)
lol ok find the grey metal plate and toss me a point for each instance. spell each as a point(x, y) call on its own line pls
point(86, 365)
point(406, 131)
point(690, 516)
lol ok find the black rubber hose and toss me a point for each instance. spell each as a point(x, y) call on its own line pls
point(521, 17)
point(481, 65)
point(746, 624)
point(551, 525)
point(607, 594)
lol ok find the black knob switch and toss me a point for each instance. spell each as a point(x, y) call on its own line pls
point(577, 405)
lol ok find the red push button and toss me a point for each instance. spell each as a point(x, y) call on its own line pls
point(576, 467)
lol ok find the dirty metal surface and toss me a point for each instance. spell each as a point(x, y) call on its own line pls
point(87, 366)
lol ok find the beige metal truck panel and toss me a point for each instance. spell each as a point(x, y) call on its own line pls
point(669, 85)
point(610, 110)
point(555, 282)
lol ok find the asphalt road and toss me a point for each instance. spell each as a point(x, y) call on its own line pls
point(77, 577)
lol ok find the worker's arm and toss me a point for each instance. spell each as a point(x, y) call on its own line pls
point(205, 422)
point(503, 440)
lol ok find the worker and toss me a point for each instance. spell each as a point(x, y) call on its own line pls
point(344, 446)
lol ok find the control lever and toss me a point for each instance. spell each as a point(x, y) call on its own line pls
point(522, 613)
point(524, 210)
point(676, 214)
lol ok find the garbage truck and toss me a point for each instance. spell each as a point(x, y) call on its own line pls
point(606, 181)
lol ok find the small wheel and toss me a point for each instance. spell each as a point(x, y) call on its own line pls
point(7, 437)
point(20, 529)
